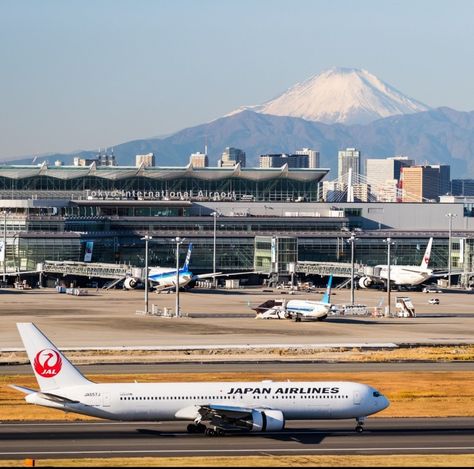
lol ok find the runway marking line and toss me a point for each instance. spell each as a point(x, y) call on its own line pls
point(279, 450)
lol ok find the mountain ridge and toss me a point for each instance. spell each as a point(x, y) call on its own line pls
point(438, 136)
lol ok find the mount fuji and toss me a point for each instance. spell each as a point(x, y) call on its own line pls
point(336, 109)
point(340, 96)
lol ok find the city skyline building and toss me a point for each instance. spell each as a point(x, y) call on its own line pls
point(348, 158)
point(277, 160)
point(420, 183)
point(313, 157)
point(147, 160)
point(231, 157)
point(199, 160)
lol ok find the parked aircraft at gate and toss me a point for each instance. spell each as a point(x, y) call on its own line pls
point(224, 406)
point(402, 275)
point(163, 278)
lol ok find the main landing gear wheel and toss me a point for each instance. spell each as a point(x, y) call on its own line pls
point(359, 429)
point(214, 432)
point(196, 428)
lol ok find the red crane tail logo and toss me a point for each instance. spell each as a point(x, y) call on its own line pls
point(47, 363)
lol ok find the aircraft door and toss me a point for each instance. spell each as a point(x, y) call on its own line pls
point(356, 397)
point(106, 399)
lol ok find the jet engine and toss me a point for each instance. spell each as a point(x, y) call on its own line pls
point(365, 282)
point(267, 420)
point(130, 283)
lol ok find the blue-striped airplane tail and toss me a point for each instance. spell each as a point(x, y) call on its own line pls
point(188, 258)
point(327, 296)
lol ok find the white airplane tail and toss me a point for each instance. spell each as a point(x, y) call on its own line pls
point(52, 369)
point(427, 255)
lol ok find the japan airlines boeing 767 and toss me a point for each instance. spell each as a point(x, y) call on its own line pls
point(225, 406)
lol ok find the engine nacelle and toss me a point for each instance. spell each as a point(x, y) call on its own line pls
point(130, 283)
point(365, 282)
point(267, 420)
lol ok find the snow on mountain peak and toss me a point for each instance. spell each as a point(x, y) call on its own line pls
point(340, 95)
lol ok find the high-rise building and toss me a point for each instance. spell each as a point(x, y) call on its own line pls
point(145, 160)
point(231, 157)
point(444, 178)
point(348, 158)
point(313, 157)
point(420, 183)
point(381, 174)
point(199, 160)
point(277, 160)
point(462, 187)
point(101, 159)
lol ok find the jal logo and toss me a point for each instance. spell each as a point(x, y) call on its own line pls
point(48, 363)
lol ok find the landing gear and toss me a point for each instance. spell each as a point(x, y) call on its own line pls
point(297, 317)
point(360, 424)
point(196, 428)
point(214, 432)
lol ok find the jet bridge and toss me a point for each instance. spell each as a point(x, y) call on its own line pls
point(89, 269)
point(337, 269)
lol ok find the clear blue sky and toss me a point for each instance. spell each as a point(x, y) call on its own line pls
point(94, 73)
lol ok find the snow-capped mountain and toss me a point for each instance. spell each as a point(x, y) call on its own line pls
point(340, 95)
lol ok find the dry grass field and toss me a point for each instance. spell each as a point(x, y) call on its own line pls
point(412, 394)
point(406, 460)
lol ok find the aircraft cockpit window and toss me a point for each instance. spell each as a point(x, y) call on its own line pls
point(376, 394)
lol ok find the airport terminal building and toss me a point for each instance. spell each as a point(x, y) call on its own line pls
point(100, 214)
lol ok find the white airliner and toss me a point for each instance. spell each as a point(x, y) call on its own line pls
point(225, 406)
point(163, 278)
point(297, 309)
point(402, 275)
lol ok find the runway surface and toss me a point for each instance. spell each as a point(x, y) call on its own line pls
point(253, 366)
point(381, 436)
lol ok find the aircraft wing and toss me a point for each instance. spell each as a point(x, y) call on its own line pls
point(221, 274)
point(201, 276)
point(21, 272)
point(224, 411)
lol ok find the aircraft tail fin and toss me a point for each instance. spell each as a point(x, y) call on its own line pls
point(327, 295)
point(52, 369)
point(427, 255)
point(188, 257)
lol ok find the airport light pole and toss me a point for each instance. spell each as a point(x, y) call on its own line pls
point(146, 238)
point(214, 214)
point(389, 243)
point(178, 241)
point(352, 241)
point(4, 250)
point(450, 216)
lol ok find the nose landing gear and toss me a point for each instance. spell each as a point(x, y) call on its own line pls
point(360, 424)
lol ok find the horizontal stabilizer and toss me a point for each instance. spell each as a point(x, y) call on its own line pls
point(56, 398)
point(22, 389)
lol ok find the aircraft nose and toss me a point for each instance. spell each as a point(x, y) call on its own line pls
point(384, 402)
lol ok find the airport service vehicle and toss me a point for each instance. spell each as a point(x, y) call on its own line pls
point(225, 406)
point(163, 278)
point(297, 309)
point(433, 301)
